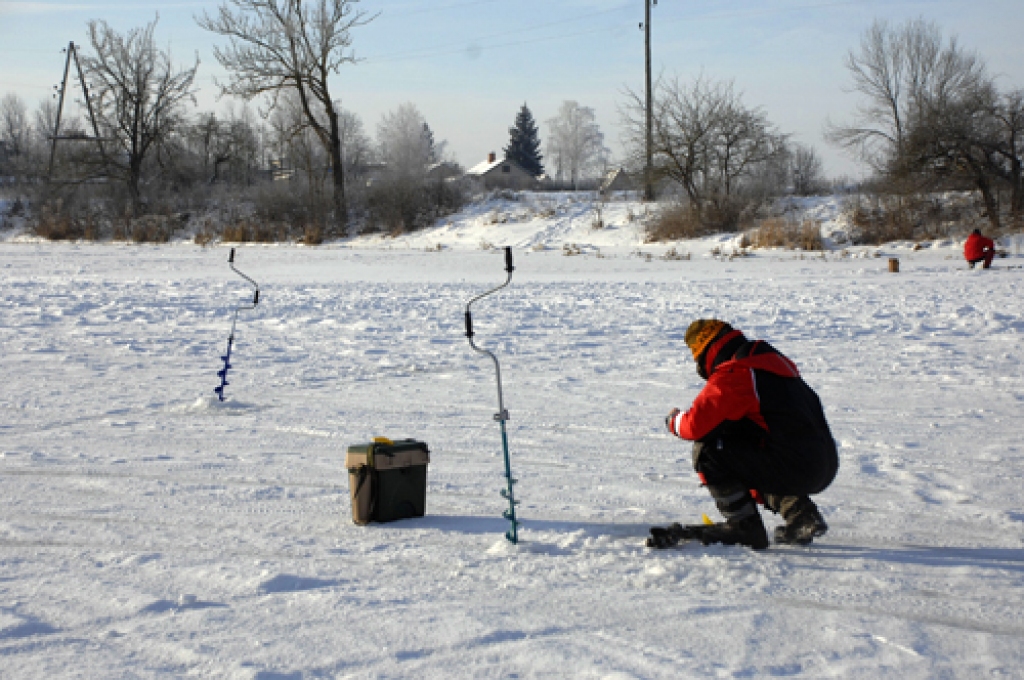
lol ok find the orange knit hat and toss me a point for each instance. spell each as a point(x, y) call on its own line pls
point(700, 334)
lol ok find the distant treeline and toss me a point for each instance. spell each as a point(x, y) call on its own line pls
point(139, 163)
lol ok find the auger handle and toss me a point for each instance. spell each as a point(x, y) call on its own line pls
point(256, 294)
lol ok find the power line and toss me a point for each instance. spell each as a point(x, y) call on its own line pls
point(440, 8)
point(769, 11)
point(14, 83)
point(430, 50)
point(440, 51)
point(710, 16)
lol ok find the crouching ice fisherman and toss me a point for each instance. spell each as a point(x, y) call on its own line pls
point(977, 249)
point(758, 432)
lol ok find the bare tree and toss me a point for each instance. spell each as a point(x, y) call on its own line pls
point(878, 72)
point(15, 130)
point(227, 148)
point(300, 152)
point(1007, 156)
point(933, 114)
point(955, 136)
point(138, 96)
point(277, 46)
point(707, 141)
point(46, 120)
point(575, 142)
point(357, 149)
point(23, 136)
point(904, 73)
point(405, 142)
point(211, 140)
point(287, 126)
point(396, 202)
point(806, 170)
point(981, 140)
point(404, 198)
point(43, 123)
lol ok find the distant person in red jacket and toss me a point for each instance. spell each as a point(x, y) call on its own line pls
point(977, 249)
point(758, 430)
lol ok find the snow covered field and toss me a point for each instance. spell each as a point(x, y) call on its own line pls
point(148, 530)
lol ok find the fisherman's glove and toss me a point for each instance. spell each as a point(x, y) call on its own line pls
point(668, 419)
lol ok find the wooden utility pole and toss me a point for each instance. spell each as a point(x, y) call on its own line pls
point(649, 167)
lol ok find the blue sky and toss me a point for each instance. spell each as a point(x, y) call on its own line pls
point(468, 65)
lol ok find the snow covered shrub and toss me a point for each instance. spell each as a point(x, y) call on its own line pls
point(879, 218)
point(148, 228)
point(204, 235)
point(312, 235)
point(783, 233)
point(292, 208)
point(256, 231)
point(10, 210)
point(680, 222)
point(56, 222)
point(673, 254)
point(401, 205)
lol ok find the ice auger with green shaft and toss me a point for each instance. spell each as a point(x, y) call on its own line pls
point(502, 415)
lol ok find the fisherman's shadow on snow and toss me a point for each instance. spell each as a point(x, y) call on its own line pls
point(164, 606)
point(1011, 559)
point(479, 525)
point(27, 626)
point(1005, 559)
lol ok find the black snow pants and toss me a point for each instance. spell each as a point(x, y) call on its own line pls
point(771, 470)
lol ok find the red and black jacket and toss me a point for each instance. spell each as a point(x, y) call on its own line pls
point(977, 247)
point(754, 396)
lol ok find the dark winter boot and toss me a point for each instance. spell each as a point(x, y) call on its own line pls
point(748, 531)
point(673, 534)
point(742, 525)
point(804, 522)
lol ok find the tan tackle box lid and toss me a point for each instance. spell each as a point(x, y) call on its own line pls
point(387, 455)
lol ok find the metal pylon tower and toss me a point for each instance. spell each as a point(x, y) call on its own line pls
point(72, 54)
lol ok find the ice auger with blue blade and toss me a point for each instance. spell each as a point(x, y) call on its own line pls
point(502, 415)
point(223, 373)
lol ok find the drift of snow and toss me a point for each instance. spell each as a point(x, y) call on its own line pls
point(149, 530)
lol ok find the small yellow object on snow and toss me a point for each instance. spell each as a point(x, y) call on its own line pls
point(704, 518)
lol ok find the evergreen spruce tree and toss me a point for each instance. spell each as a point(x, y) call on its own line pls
point(428, 139)
point(524, 143)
